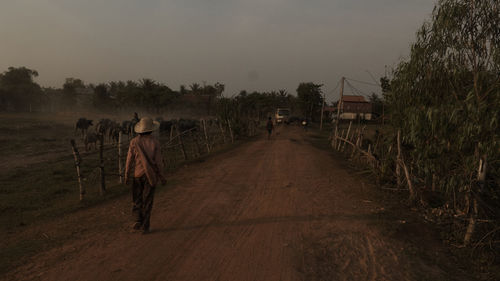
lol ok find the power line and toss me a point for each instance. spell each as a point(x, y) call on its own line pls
point(363, 82)
point(352, 88)
point(338, 84)
point(356, 90)
point(373, 78)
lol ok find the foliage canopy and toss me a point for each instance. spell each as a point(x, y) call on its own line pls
point(445, 98)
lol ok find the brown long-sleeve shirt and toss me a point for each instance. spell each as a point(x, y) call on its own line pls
point(136, 159)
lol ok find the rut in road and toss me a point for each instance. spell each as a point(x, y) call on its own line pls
point(268, 210)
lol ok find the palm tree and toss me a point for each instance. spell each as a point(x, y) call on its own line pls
point(195, 88)
point(283, 93)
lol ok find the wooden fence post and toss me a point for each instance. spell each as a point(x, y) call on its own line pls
point(230, 130)
point(195, 139)
point(334, 140)
point(171, 132)
point(340, 140)
point(347, 136)
point(369, 151)
point(206, 135)
point(78, 160)
point(183, 149)
point(356, 147)
point(405, 169)
point(481, 177)
point(101, 160)
point(398, 160)
point(355, 140)
point(120, 162)
point(222, 131)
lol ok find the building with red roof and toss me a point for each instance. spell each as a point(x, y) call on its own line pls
point(355, 107)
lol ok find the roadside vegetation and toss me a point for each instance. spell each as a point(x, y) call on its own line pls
point(444, 103)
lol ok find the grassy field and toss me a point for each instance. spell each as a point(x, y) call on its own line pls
point(38, 174)
point(38, 180)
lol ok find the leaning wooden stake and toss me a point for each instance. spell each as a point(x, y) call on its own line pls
point(347, 135)
point(183, 148)
point(195, 139)
point(222, 132)
point(172, 127)
point(334, 140)
point(206, 135)
point(230, 131)
point(340, 140)
point(355, 147)
point(401, 162)
point(481, 177)
point(120, 162)
point(101, 161)
point(78, 160)
point(398, 160)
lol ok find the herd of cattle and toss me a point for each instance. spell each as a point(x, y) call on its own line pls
point(110, 130)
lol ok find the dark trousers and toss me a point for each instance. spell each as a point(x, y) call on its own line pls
point(142, 200)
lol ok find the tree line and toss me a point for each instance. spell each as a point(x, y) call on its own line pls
point(20, 92)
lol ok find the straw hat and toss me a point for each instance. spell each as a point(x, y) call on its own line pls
point(146, 124)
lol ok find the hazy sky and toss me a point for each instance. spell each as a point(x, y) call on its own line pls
point(252, 45)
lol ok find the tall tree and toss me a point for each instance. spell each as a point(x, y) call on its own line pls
point(71, 87)
point(18, 90)
point(195, 88)
point(219, 88)
point(102, 96)
point(183, 90)
point(310, 99)
point(377, 104)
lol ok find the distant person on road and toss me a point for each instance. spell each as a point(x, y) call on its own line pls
point(270, 127)
point(145, 158)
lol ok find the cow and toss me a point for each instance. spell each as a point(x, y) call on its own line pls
point(128, 128)
point(165, 126)
point(89, 139)
point(103, 127)
point(83, 124)
point(114, 132)
point(187, 124)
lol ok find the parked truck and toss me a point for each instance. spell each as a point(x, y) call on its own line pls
point(282, 115)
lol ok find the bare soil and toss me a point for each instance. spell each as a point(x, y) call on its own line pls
point(281, 209)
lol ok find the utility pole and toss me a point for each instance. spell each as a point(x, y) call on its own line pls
point(339, 104)
point(322, 111)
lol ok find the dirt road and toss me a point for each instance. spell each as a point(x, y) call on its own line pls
point(268, 210)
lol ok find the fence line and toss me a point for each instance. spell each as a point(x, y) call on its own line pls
point(339, 141)
point(177, 147)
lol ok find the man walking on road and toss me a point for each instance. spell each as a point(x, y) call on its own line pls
point(145, 158)
point(269, 127)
